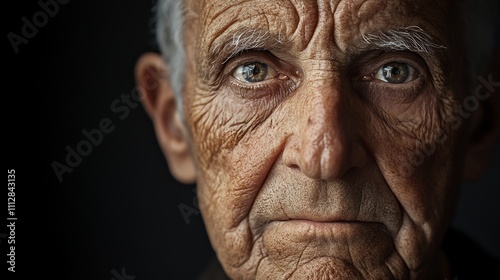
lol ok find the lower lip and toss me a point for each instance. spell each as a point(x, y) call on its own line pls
point(337, 240)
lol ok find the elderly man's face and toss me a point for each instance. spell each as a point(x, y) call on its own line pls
point(304, 134)
point(323, 141)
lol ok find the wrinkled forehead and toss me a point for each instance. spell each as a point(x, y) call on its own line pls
point(298, 20)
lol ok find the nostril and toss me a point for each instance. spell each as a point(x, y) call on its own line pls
point(291, 156)
point(293, 166)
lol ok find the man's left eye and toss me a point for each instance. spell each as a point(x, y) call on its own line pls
point(254, 72)
point(396, 73)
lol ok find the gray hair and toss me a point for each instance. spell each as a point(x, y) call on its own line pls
point(477, 15)
point(169, 35)
point(411, 38)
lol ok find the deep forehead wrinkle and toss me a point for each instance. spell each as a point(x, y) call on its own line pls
point(232, 28)
point(241, 18)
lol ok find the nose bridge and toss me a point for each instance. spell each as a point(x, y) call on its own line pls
point(323, 143)
point(322, 113)
point(323, 136)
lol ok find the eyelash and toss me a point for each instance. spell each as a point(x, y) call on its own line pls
point(273, 87)
point(392, 92)
point(371, 88)
point(276, 88)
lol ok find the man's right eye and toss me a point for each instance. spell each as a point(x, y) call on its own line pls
point(254, 72)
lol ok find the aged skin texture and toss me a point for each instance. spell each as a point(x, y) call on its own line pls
point(300, 131)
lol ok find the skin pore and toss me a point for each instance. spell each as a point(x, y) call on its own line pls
point(300, 134)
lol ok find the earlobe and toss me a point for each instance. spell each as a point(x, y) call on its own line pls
point(158, 99)
point(485, 126)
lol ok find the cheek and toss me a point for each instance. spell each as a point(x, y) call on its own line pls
point(417, 153)
point(235, 146)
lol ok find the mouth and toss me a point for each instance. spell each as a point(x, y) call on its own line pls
point(326, 228)
point(335, 238)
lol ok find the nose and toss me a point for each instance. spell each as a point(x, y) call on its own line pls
point(324, 144)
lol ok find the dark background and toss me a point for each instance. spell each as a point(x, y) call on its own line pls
point(119, 208)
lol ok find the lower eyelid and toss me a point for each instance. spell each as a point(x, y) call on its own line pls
point(400, 92)
point(274, 89)
point(247, 85)
point(373, 89)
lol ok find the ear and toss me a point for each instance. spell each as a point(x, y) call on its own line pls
point(485, 124)
point(158, 99)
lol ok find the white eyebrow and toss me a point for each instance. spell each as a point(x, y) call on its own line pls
point(411, 38)
point(246, 39)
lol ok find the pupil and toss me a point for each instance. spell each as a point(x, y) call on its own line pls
point(396, 73)
point(255, 72)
